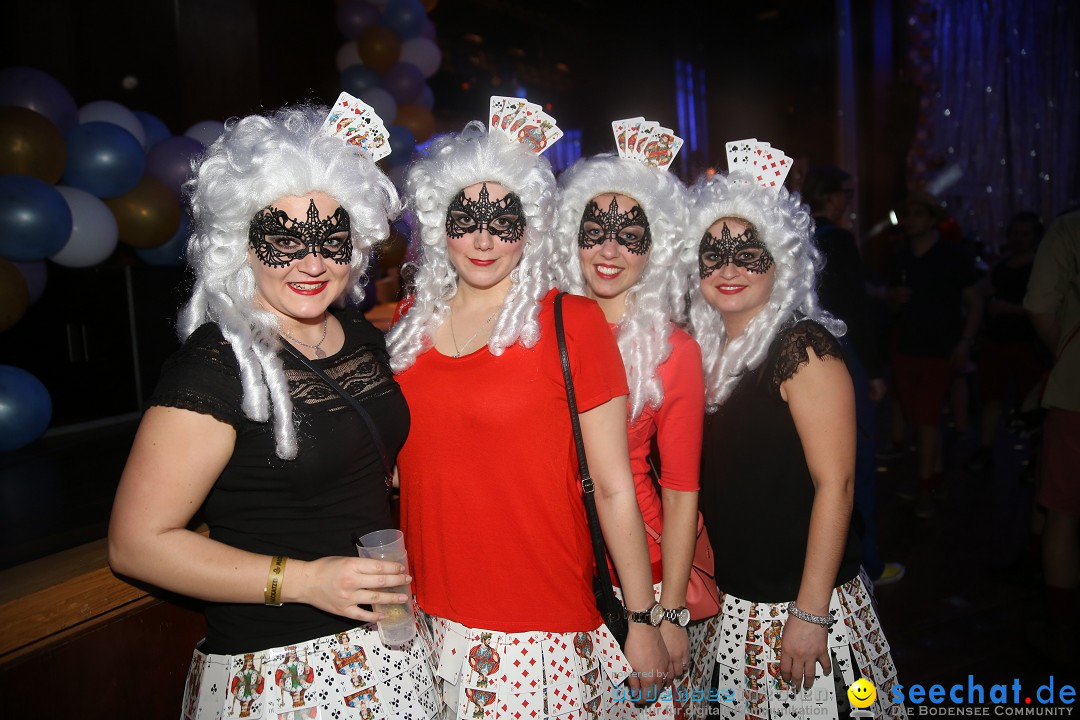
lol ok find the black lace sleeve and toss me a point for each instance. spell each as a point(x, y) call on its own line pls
point(791, 347)
point(203, 376)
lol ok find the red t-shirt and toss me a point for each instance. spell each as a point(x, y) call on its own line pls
point(491, 501)
point(677, 425)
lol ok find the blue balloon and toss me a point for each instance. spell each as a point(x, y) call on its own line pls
point(402, 144)
point(358, 79)
point(35, 220)
point(173, 253)
point(103, 159)
point(41, 92)
point(405, 17)
point(427, 97)
point(25, 408)
point(156, 130)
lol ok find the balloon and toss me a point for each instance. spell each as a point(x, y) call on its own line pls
point(148, 215)
point(356, 16)
point(115, 113)
point(358, 79)
point(154, 128)
point(35, 275)
point(381, 102)
point(174, 252)
point(417, 119)
point(428, 30)
point(379, 48)
point(405, 17)
point(35, 221)
point(14, 295)
point(427, 97)
point(422, 53)
point(402, 144)
point(347, 56)
point(206, 131)
point(103, 159)
point(40, 92)
point(404, 82)
point(30, 145)
point(396, 174)
point(93, 231)
point(25, 408)
point(170, 162)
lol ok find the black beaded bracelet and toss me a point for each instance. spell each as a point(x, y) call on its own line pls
point(822, 620)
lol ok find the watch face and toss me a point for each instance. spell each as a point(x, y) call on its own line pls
point(656, 614)
point(683, 618)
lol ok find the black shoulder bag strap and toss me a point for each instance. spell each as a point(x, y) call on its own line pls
point(376, 436)
point(609, 605)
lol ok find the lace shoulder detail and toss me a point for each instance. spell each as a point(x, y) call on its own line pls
point(203, 376)
point(791, 344)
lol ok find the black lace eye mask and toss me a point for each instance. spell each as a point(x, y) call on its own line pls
point(278, 239)
point(604, 225)
point(503, 218)
point(744, 250)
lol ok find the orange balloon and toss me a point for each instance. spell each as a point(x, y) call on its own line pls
point(379, 47)
point(14, 295)
point(417, 119)
point(30, 145)
point(148, 215)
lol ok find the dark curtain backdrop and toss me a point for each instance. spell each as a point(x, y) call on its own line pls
point(1001, 103)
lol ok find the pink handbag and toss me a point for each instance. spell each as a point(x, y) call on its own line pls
point(702, 595)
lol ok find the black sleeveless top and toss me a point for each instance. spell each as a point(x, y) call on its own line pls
point(305, 508)
point(756, 490)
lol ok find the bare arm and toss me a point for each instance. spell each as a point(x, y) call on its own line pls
point(603, 429)
point(677, 546)
point(973, 312)
point(175, 460)
point(822, 404)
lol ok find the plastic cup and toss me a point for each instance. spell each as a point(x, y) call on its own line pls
point(399, 625)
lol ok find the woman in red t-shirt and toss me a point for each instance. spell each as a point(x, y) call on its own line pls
point(621, 242)
point(491, 500)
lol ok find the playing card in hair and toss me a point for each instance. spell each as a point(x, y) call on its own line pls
point(740, 155)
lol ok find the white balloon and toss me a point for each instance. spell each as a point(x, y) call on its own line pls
point(347, 56)
point(382, 103)
point(206, 131)
point(93, 230)
point(115, 113)
point(422, 53)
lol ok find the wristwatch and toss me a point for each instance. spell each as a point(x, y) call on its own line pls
point(678, 616)
point(652, 616)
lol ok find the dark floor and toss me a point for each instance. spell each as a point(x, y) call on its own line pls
point(960, 610)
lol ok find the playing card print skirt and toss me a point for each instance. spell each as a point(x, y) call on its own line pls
point(748, 651)
point(348, 676)
point(488, 675)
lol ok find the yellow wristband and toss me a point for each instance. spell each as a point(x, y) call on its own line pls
point(275, 580)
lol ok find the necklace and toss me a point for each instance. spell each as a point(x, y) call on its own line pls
point(460, 349)
point(319, 352)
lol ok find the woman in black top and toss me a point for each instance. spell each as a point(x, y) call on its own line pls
point(283, 467)
point(778, 461)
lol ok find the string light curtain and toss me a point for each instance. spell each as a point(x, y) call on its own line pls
point(1001, 103)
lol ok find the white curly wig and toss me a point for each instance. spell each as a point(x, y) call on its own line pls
point(786, 228)
point(258, 160)
point(658, 299)
point(452, 163)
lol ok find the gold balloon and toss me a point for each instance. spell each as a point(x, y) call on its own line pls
point(418, 119)
point(379, 48)
point(30, 145)
point(148, 215)
point(14, 295)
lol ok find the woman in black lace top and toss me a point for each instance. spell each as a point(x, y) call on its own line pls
point(778, 462)
point(282, 466)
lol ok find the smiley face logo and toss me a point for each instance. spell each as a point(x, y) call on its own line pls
point(861, 693)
